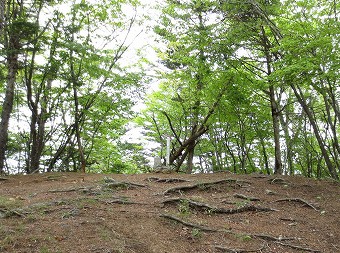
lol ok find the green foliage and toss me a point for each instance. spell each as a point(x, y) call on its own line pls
point(184, 207)
point(253, 44)
point(196, 233)
point(75, 90)
point(74, 85)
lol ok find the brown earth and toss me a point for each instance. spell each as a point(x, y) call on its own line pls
point(222, 212)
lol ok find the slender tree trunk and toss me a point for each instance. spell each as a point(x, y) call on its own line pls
point(276, 130)
point(2, 16)
point(7, 108)
point(77, 127)
point(232, 155)
point(273, 104)
point(12, 47)
point(316, 130)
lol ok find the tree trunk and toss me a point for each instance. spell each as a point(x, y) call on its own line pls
point(318, 137)
point(38, 122)
point(266, 44)
point(77, 120)
point(12, 48)
point(190, 161)
point(2, 16)
point(276, 130)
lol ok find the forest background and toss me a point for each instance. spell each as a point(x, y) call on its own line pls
point(245, 86)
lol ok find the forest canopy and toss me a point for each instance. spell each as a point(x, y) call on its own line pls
point(242, 86)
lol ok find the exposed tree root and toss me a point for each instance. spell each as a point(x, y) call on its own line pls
point(120, 201)
point(68, 190)
point(122, 185)
point(206, 185)
point(225, 249)
point(298, 200)
point(112, 183)
point(272, 238)
point(278, 180)
point(166, 180)
point(298, 247)
point(95, 190)
point(241, 196)
point(188, 224)
point(213, 209)
point(260, 176)
point(6, 213)
point(278, 240)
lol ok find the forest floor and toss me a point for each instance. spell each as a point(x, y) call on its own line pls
point(173, 213)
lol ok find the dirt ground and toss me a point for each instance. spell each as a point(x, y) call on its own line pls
point(168, 213)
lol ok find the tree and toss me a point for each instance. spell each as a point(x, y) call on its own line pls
point(15, 28)
point(194, 85)
point(311, 73)
point(74, 83)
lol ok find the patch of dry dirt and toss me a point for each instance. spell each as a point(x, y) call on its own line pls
point(168, 213)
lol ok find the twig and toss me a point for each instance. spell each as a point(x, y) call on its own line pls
point(272, 238)
point(3, 179)
point(298, 200)
point(225, 249)
point(67, 190)
point(241, 196)
point(278, 180)
point(188, 224)
point(121, 201)
point(298, 247)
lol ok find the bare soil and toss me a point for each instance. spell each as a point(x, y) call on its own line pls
point(168, 213)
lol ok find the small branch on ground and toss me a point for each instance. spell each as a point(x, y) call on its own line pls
point(68, 190)
point(120, 201)
point(288, 219)
point(225, 249)
point(272, 238)
point(278, 180)
point(188, 224)
point(241, 196)
point(298, 200)
point(3, 178)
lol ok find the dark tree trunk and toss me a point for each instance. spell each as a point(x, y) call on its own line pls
point(190, 161)
point(276, 131)
point(7, 107)
point(12, 47)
